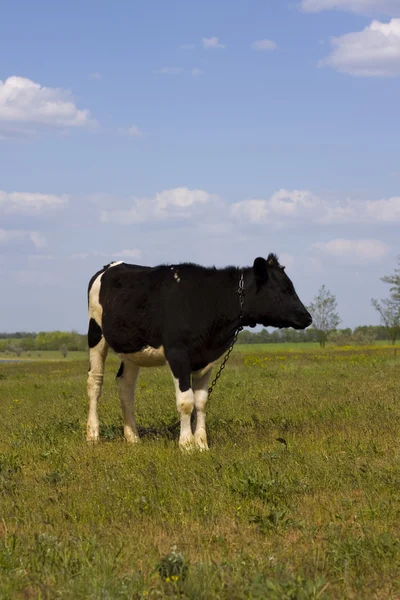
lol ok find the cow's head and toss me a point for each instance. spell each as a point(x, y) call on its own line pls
point(272, 300)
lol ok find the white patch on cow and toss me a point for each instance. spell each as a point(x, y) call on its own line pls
point(97, 358)
point(200, 390)
point(185, 405)
point(176, 276)
point(95, 308)
point(148, 357)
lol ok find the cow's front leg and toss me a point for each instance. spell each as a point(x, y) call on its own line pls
point(180, 367)
point(200, 390)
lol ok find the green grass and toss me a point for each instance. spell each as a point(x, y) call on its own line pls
point(276, 347)
point(298, 498)
point(287, 346)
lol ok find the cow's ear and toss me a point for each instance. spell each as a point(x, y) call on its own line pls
point(260, 269)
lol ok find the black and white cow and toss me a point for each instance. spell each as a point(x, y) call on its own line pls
point(182, 315)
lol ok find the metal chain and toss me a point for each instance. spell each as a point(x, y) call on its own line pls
point(240, 291)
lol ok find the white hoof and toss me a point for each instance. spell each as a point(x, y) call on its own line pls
point(187, 443)
point(200, 439)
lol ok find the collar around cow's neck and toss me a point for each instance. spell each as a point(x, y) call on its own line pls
point(240, 291)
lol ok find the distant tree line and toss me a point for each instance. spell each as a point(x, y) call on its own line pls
point(17, 335)
point(62, 341)
point(365, 334)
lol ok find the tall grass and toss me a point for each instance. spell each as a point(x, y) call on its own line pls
point(299, 496)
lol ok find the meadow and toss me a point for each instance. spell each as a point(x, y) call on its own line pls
point(298, 497)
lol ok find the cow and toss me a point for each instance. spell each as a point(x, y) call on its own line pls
point(185, 316)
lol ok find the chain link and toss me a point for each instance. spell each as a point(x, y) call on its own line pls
point(240, 291)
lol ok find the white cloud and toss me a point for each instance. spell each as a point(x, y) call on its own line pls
point(285, 205)
point(385, 210)
point(282, 208)
point(340, 213)
point(28, 202)
point(212, 42)
point(37, 239)
point(132, 131)
point(290, 203)
point(8, 236)
point(372, 52)
point(196, 72)
point(353, 251)
point(177, 203)
point(95, 75)
point(282, 203)
point(264, 45)
point(389, 7)
point(253, 211)
point(169, 71)
point(25, 102)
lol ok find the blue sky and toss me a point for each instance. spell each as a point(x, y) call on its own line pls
point(156, 131)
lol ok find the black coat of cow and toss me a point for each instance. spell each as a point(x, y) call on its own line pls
point(184, 315)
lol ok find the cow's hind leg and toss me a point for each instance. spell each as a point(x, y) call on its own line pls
point(200, 390)
point(126, 380)
point(98, 349)
point(180, 367)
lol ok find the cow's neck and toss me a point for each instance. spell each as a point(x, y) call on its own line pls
point(228, 316)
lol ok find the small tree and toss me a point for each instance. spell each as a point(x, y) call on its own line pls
point(64, 350)
point(16, 349)
point(325, 317)
point(389, 308)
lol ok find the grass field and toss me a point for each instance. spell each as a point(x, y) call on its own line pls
point(298, 498)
